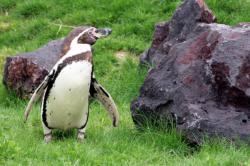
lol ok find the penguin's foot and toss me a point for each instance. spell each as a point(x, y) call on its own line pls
point(80, 136)
point(48, 137)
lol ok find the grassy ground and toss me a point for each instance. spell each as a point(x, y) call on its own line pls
point(26, 25)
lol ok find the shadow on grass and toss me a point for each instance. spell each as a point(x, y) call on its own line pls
point(64, 135)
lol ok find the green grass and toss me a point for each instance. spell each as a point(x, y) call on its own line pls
point(25, 25)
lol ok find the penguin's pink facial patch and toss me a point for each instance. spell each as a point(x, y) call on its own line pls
point(90, 36)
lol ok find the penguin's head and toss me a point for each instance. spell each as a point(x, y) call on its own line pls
point(90, 35)
point(83, 35)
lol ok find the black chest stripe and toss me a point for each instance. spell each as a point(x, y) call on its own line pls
point(52, 79)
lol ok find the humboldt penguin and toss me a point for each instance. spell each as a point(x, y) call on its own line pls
point(70, 83)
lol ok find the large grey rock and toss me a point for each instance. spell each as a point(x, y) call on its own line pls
point(24, 72)
point(167, 34)
point(202, 76)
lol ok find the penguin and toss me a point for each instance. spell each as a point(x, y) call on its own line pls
point(69, 85)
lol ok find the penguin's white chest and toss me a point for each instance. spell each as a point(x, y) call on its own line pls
point(68, 100)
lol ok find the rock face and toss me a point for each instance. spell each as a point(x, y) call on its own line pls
point(24, 72)
point(167, 34)
point(202, 76)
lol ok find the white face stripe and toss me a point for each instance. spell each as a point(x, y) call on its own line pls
point(74, 41)
point(75, 48)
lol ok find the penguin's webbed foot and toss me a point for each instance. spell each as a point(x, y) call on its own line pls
point(80, 136)
point(48, 137)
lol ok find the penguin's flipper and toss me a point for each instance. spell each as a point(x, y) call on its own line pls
point(37, 94)
point(98, 92)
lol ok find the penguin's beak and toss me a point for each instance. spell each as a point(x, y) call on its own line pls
point(102, 32)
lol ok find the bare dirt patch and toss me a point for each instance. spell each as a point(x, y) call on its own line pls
point(121, 54)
